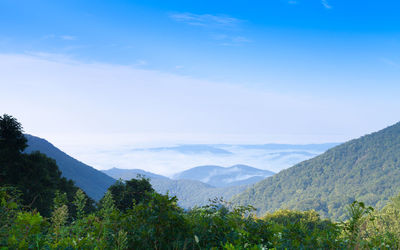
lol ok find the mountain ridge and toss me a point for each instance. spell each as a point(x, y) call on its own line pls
point(365, 169)
point(93, 182)
point(190, 193)
point(218, 176)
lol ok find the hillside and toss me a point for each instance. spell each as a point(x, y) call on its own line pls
point(92, 181)
point(224, 177)
point(190, 193)
point(127, 174)
point(365, 169)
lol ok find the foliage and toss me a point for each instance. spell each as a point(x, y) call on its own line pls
point(35, 175)
point(12, 139)
point(159, 223)
point(365, 169)
point(132, 216)
point(93, 182)
point(302, 229)
point(216, 225)
point(9, 207)
point(128, 193)
point(184, 189)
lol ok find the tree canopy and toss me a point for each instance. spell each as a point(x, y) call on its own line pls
point(128, 193)
point(35, 175)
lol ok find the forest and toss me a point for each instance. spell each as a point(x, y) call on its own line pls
point(40, 209)
point(365, 169)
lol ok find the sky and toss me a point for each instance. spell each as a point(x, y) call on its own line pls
point(112, 73)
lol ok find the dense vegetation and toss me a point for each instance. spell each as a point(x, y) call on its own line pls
point(366, 169)
point(182, 189)
point(35, 175)
point(39, 209)
point(156, 222)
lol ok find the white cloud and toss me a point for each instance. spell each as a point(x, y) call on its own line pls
point(170, 162)
point(228, 40)
point(390, 62)
point(79, 105)
point(206, 20)
point(141, 62)
point(326, 4)
point(62, 37)
point(69, 38)
point(222, 23)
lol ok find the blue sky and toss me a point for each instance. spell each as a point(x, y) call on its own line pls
point(201, 71)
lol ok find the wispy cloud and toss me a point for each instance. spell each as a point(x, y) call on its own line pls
point(390, 62)
point(206, 20)
point(326, 4)
point(62, 37)
point(226, 26)
point(293, 2)
point(69, 38)
point(140, 62)
point(228, 40)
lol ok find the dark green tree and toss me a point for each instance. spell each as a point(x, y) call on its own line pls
point(12, 144)
point(127, 193)
point(35, 175)
point(12, 139)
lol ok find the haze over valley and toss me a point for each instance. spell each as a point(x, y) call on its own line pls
point(227, 125)
point(171, 160)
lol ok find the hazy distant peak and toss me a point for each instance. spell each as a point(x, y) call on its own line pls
point(191, 149)
point(127, 174)
point(224, 176)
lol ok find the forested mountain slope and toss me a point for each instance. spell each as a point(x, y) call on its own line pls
point(365, 169)
point(92, 181)
point(190, 193)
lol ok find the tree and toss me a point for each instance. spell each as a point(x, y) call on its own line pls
point(12, 139)
point(35, 175)
point(12, 144)
point(125, 194)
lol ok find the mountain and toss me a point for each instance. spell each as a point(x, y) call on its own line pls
point(365, 169)
point(190, 193)
point(190, 149)
point(273, 157)
point(127, 174)
point(90, 180)
point(292, 147)
point(224, 177)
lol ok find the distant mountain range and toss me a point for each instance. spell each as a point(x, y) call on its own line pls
point(224, 177)
point(128, 174)
point(273, 157)
point(92, 181)
point(365, 169)
point(192, 188)
point(191, 193)
point(290, 147)
point(190, 149)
